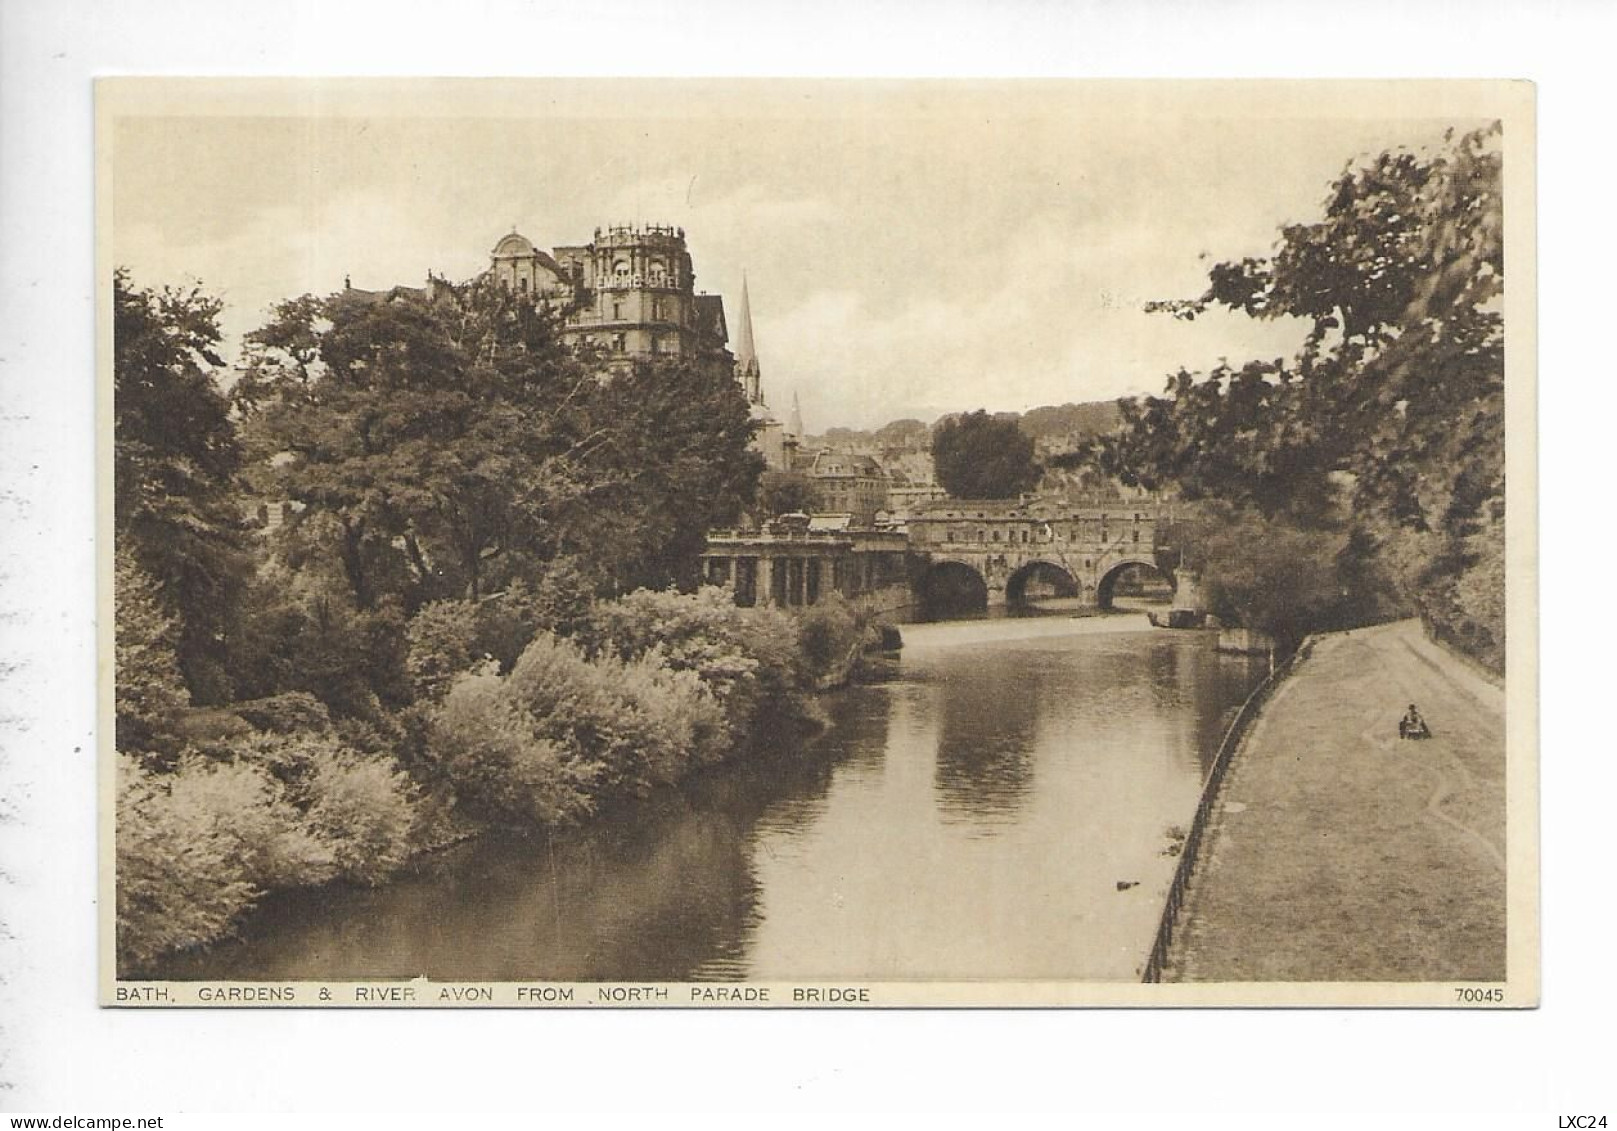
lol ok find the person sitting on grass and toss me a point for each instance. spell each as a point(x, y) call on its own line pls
point(1412, 725)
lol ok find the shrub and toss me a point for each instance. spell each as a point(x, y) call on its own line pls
point(827, 634)
point(149, 690)
point(499, 764)
point(563, 733)
point(559, 602)
point(196, 847)
point(749, 659)
point(633, 724)
point(285, 713)
point(365, 810)
point(442, 641)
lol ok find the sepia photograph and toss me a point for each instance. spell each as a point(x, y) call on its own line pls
point(817, 543)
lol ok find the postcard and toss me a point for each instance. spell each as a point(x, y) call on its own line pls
point(809, 543)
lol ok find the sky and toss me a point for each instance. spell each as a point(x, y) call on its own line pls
point(910, 248)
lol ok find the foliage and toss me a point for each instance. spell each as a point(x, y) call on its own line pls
point(1239, 436)
point(633, 723)
point(787, 492)
point(198, 844)
point(1395, 401)
point(409, 425)
point(557, 601)
point(447, 638)
point(561, 734)
point(443, 644)
point(364, 808)
point(828, 634)
point(749, 659)
point(676, 463)
point(149, 690)
point(445, 444)
point(906, 433)
point(175, 457)
point(284, 714)
point(977, 456)
point(1266, 574)
point(655, 685)
point(297, 636)
point(497, 762)
point(195, 849)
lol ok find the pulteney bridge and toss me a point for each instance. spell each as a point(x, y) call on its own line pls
point(1009, 551)
point(954, 553)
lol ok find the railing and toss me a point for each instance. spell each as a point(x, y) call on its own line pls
point(1158, 960)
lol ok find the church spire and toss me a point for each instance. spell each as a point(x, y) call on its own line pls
point(746, 352)
point(794, 424)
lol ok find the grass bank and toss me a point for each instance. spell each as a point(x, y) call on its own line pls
point(1338, 852)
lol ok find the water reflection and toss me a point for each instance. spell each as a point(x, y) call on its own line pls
point(988, 717)
point(969, 817)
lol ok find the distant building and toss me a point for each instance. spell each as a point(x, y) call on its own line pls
point(849, 484)
point(906, 500)
point(631, 292)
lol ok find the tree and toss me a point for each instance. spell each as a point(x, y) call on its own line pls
point(1267, 574)
point(443, 445)
point(434, 441)
point(674, 463)
point(787, 492)
point(175, 459)
point(150, 691)
point(1396, 397)
point(1400, 381)
point(1234, 435)
point(977, 456)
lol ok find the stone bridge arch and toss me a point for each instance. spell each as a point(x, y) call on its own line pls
point(1036, 570)
point(951, 585)
point(1109, 570)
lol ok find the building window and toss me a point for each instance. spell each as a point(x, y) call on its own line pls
point(617, 344)
point(524, 286)
point(617, 311)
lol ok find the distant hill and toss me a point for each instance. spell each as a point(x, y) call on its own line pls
point(1075, 421)
point(1051, 426)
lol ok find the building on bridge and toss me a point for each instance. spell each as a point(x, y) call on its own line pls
point(1015, 550)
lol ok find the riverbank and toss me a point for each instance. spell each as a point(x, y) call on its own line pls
point(989, 808)
point(274, 795)
point(1338, 852)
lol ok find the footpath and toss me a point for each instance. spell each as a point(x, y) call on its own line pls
point(1337, 851)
